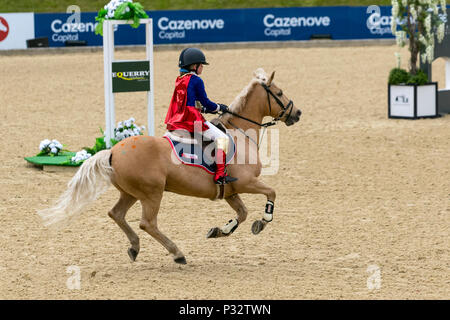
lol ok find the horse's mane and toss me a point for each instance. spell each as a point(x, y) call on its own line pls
point(259, 76)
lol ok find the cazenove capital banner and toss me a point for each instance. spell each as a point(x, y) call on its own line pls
point(228, 25)
point(205, 26)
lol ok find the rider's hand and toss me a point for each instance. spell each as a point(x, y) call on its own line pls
point(223, 107)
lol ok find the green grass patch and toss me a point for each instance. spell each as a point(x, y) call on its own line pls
point(95, 5)
point(63, 159)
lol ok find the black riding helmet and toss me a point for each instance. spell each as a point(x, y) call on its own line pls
point(191, 56)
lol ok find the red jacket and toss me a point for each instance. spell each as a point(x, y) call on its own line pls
point(180, 116)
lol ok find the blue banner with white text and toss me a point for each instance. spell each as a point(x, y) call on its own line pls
point(228, 25)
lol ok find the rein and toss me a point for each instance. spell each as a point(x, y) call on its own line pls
point(263, 125)
point(274, 120)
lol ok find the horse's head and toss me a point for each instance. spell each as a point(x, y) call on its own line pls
point(280, 107)
point(261, 98)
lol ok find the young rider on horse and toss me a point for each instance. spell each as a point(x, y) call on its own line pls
point(183, 111)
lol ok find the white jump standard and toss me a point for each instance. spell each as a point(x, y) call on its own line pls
point(136, 75)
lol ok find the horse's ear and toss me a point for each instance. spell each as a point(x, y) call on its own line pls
point(271, 78)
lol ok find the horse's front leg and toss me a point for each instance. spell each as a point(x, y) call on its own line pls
point(258, 187)
point(236, 203)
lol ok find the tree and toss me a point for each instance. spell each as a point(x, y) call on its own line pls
point(421, 21)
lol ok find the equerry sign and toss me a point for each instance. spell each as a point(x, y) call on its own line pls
point(130, 76)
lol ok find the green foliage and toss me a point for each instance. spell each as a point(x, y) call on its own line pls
point(398, 76)
point(401, 76)
point(100, 144)
point(113, 142)
point(135, 12)
point(100, 18)
point(419, 23)
point(420, 78)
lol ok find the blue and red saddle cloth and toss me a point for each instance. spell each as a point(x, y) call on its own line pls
point(199, 154)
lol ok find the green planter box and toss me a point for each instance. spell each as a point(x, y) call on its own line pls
point(63, 159)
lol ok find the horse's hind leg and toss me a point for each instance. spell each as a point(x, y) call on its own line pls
point(150, 208)
point(236, 203)
point(118, 213)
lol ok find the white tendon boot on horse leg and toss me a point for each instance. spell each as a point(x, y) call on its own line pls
point(225, 231)
point(236, 203)
point(258, 187)
point(259, 225)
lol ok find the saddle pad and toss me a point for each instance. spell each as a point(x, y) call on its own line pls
point(195, 155)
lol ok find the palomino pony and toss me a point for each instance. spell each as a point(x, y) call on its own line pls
point(142, 168)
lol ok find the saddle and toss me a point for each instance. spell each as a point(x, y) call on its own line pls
point(195, 150)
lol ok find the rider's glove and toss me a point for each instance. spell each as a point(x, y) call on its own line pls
point(223, 107)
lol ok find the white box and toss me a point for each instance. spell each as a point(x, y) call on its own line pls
point(412, 101)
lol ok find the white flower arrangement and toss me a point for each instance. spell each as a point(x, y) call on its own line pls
point(127, 128)
point(81, 156)
point(421, 21)
point(47, 147)
point(120, 10)
point(113, 5)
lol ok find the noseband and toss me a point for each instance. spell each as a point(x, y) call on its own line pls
point(274, 121)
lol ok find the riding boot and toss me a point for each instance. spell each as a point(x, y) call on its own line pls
point(221, 176)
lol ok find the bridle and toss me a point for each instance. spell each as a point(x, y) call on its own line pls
point(274, 121)
point(289, 106)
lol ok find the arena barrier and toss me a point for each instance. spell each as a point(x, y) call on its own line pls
point(213, 26)
point(230, 25)
point(206, 26)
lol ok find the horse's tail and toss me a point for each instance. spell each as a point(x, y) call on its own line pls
point(92, 179)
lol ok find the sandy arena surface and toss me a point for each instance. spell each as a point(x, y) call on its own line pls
point(355, 190)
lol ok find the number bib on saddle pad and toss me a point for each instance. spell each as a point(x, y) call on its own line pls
point(195, 154)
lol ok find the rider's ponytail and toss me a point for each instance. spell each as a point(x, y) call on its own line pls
point(188, 69)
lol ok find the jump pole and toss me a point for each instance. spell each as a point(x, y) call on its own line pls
point(110, 89)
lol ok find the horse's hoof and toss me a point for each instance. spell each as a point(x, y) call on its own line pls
point(213, 233)
point(181, 260)
point(133, 254)
point(258, 226)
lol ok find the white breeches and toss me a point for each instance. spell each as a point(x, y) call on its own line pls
point(216, 135)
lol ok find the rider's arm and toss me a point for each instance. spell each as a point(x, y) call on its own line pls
point(200, 95)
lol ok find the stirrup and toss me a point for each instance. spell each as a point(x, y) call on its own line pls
point(225, 180)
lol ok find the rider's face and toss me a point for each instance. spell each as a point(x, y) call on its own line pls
point(200, 69)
